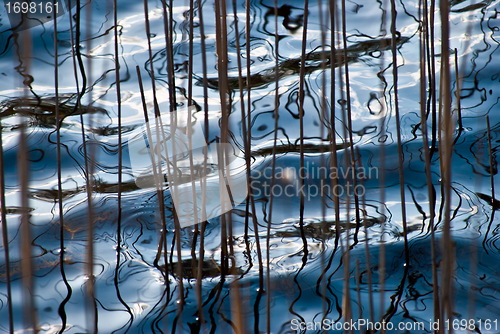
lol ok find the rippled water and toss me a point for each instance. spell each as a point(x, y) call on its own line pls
point(136, 294)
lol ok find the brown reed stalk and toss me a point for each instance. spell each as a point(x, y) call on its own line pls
point(91, 307)
point(194, 265)
point(383, 115)
point(29, 313)
point(221, 47)
point(446, 146)
point(169, 35)
point(5, 234)
point(432, 75)
point(398, 130)
point(427, 157)
point(235, 299)
point(201, 256)
point(246, 147)
point(167, 24)
point(76, 57)
point(492, 172)
point(119, 115)
point(367, 256)
point(457, 95)
point(301, 118)
point(323, 25)
point(334, 56)
point(189, 134)
point(173, 190)
point(93, 313)
point(120, 165)
point(459, 78)
point(26, 241)
point(226, 218)
point(358, 292)
point(249, 145)
point(334, 14)
point(236, 286)
point(59, 120)
point(243, 124)
point(273, 168)
point(349, 121)
point(159, 173)
point(347, 298)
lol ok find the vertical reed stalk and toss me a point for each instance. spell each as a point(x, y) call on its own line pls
point(427, 157)
point(189, 134)
point(432, 75)
point(120, 165)
point(91, 309)
point(76, 57)
point(29, 313)
point(347, 298)
point(457, 95)
point(301, 117)
point(201, 256)
point(159, 175)
point(323, 120)
point(169, 35)
point(446, 147)
point(249, 145)
point(368, 262)
point(334, 58)
point(398, 130)
point(62, 312)
point(492, 171)
point(349, 121)
point(383, 135)
point(358, 292)
point(5, 233)
point(334, 12)
point(92, 319)
point(221, 47)
point(273, 168)
point(246, 147)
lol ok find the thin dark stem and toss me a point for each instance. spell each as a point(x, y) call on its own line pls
point(457, 95)
point(170, 57)
point(427, 157)
point(445, 151)
point(201, 256)
point(301, 125)
point(62, 251)
point(398, 130)
point(120, 165)
point(273, 168)
point(323, 26)
point(93, 321)
point(492, 173)
point(432, 78)
point(367, 256)
point(29, 312)
point(5, 233)
point(383, 116)
point(347, 297)
point(349, 120)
